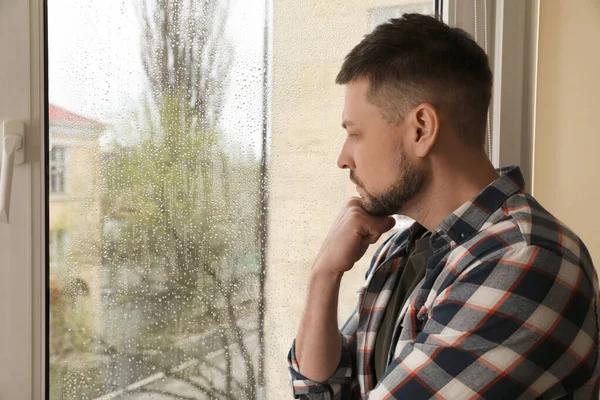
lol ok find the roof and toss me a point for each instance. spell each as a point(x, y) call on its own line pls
point(61, 116)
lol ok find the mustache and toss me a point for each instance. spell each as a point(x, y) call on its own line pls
point(354, 179)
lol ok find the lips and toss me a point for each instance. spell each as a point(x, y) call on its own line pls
point(359, 190)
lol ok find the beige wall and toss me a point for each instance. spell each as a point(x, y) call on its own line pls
point(567, 134)
point(311, 38)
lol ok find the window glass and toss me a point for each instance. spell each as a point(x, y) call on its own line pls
point(193, 145)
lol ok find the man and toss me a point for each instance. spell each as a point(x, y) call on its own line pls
point(487, 295)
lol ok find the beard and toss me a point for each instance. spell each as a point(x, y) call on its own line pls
point(408, 184)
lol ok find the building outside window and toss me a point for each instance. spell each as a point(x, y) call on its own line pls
point(58, 170)
point(58, 245)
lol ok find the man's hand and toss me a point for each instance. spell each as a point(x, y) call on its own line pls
point(318, 343)
point(350, 236)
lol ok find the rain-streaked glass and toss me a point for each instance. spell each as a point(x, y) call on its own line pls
point(191, 179)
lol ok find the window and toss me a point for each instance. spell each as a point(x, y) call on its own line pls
point(180, 147)
point(58, 170)
point(304, 192)
point(162, 106)
point(130, 229)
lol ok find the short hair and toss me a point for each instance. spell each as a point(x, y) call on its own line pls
point(417, 59)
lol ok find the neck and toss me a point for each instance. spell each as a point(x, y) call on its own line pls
point(452, 183)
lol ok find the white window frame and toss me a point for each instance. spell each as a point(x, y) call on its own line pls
point(22, 250)
point(22, 242)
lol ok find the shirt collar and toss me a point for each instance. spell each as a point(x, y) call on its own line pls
point(466, 220)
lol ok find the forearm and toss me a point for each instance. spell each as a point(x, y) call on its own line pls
point(318, 343)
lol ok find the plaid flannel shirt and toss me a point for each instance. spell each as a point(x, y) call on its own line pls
point(508, 309)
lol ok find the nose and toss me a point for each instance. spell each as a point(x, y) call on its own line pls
point(345, 160)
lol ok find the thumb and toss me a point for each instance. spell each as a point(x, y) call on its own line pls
point(380, 225)
point(386, 224)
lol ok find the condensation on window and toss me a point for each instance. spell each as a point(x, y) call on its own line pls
point(192, 178)
point(160, 108)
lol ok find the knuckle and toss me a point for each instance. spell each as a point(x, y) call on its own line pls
point(354, 201)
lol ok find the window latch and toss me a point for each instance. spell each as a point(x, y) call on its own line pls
point(13, 153)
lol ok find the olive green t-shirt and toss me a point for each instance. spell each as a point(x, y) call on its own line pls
point(407, 280)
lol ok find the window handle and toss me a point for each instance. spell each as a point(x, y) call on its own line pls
point(13, 153)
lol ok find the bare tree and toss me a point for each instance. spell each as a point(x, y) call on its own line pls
point(185, 53)
point(179, 199)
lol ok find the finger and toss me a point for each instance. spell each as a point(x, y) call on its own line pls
point(381, 225)
point(355, 201)
point(374, 228)
point(371, 239)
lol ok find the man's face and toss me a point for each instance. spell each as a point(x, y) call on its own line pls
point(374, 152)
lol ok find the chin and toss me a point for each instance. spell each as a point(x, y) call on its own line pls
point(375, 211)
point(365, 204)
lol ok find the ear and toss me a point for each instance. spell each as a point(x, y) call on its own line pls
point(425, 125)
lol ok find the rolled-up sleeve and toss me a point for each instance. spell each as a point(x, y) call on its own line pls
point(335, 387)
point(342, 384)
